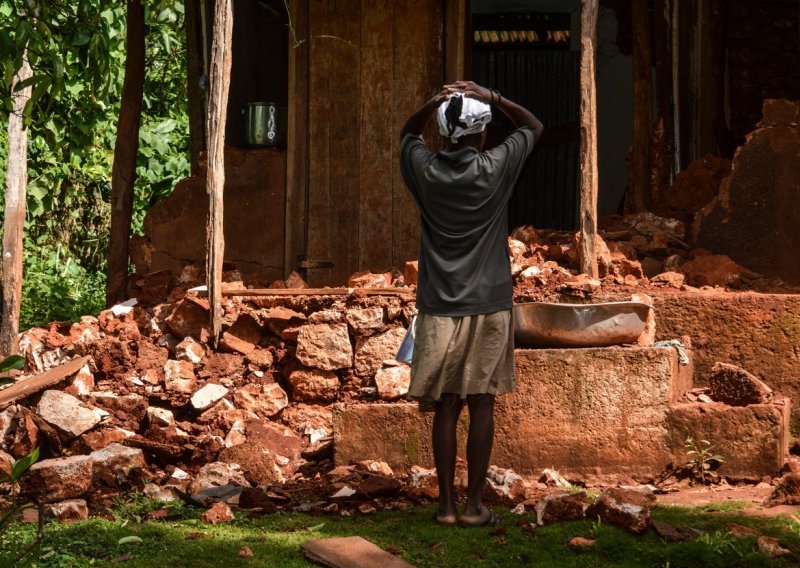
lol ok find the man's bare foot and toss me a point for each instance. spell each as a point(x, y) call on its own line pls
point(485, 518)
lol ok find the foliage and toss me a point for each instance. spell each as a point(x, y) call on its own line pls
point(703, 460)
point(9, 364)
point(18, 471)
point(77, 52)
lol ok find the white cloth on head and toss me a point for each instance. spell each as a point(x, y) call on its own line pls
point(474, 114)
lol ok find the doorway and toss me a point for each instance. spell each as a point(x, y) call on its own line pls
point(531, 58)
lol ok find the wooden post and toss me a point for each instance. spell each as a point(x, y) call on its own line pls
point(297, 137)
point(457, 66)
point(642, 105)
point(14, 214)
point(219, 77)
point(589, 180)
point(123, 175)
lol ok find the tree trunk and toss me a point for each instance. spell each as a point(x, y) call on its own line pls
point(642, 105)
point(588, 119)
point(195, 69)
point(220, 73)
point(123, 175)
point(14, 214)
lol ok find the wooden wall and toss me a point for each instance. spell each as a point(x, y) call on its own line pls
point(364, 67)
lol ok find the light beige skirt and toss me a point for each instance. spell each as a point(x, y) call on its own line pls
point(461, 355)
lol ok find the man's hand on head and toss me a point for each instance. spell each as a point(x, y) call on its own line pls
point(471, 90)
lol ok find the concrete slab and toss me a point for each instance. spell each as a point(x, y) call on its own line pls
point(350, 552)
point(594, 414)
point(752, 440)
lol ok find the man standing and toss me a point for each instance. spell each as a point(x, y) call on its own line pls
point(464, 348)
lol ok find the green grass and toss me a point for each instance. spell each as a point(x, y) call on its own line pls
point(275, 541)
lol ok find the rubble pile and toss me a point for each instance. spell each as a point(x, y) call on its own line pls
point(635, 253)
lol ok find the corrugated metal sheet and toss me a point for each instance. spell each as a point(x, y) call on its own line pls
point(546, 82)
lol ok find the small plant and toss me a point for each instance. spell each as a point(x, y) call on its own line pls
point(597, 526)
point(18, 471)
point(721, 542)
point(703, 460)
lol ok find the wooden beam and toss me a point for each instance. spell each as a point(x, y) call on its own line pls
point(642, 105)
point(261, 292)
point(220, 73)
point(297, 137)
point(588, 119)
point(14, 210)
point(123, 175)
point(31, 385)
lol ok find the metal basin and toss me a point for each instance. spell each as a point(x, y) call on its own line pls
point(539, 324)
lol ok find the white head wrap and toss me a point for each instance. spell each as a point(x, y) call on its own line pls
point(475, 115)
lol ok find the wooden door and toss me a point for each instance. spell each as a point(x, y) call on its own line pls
point(371, 64)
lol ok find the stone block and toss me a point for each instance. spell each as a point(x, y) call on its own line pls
point(753, 440)
point(58, 479)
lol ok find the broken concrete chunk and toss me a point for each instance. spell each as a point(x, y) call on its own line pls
point(350, 552)
point(179, 377)
point(218, 513)
point(58, 479)
point(82, 383)
point(365, 321)
point(393, 382)
point(128, 406)
point(7, 461)
point(69, 511)
point(160, 417)
point(190, 350)
point(115, 464)
point(217, 474)
point(67, 413)
point(613, 508)
point(190, 317)
point(371, 351)
point(208, 395)
point(326, 316)
point(243, 336)
point(270, 454)
point(310, 385)
point(786, 492)
point(263, 400)
point(735, 386)
point(561, 506)
point(324, 346)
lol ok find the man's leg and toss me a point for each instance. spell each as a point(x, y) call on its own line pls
point(444, 453)
point(479, 449)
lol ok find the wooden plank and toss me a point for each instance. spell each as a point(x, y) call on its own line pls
point(14, 211)
point(297, 137)
point(344, 50)
point(418, 74)
point(642, 105)
point(194, 70)
point(377, 137)
point(317, 292)
point(123, 175)
point(588, 117)
point(220, 72)
point(350, 552)
point(28, 386)
point(319, 207)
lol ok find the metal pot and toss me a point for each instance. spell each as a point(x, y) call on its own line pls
point(265, 124)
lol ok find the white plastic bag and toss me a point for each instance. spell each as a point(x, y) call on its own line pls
point(406, 351)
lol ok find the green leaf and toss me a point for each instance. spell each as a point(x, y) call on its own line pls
point(130, 540)
point(12, 362)
point(23, 464)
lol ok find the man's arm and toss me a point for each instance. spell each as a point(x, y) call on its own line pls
point(416, 123)
point(518, 115)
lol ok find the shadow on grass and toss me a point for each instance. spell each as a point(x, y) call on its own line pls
point(275, 541)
